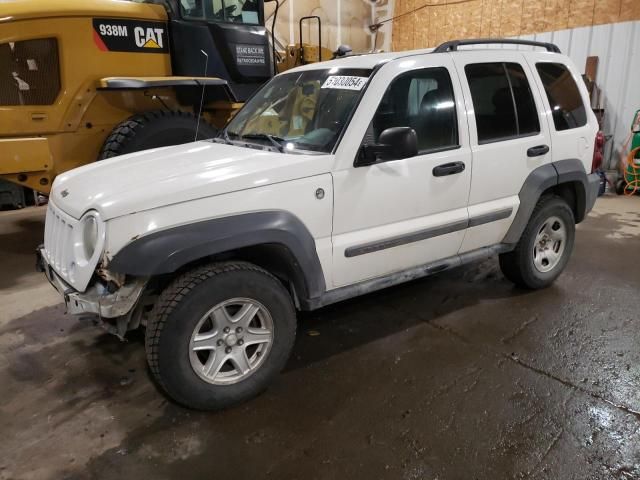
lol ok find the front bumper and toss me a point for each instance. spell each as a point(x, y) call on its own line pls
point(96, 300)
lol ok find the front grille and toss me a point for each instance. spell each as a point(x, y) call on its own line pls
point(58, 242)
point(29, 72)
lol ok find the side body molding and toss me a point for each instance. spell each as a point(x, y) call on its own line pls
point(550, 175)
point(166, 251)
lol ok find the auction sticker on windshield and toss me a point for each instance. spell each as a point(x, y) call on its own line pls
point(344, 82)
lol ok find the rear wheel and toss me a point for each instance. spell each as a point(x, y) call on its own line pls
point(219, 334)
point(544, 247)
point(159, 128)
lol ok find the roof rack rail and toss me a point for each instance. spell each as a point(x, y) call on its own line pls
point(453, 45)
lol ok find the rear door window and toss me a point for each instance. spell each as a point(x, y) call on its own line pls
point(564, 97)
point(503, 104)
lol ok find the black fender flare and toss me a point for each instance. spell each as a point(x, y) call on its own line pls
point(545, 177)
point(166, 251)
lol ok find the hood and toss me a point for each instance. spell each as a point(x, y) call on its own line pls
point(23, 9)
point(164, 176)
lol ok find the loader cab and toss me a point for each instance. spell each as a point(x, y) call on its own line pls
point(232, 35)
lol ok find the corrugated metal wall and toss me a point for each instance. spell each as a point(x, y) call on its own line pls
point(618, 47)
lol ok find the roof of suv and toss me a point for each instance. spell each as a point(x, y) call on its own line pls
point(370, 60)
point(367, 60)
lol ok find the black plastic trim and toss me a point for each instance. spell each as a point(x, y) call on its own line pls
point(572, 170)
point(427, 233)
point(510, 137)
point(537, 151)
point(537, 182)
point(168, 250)
point(379, 283)
point(446, 169)
point(593, 182)
point(490, 217)
point(404, 239)
point(428, 151)
point(545, 177)
point(453, 45)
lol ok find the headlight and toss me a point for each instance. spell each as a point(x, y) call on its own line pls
point(89, 235)
point(88, 238)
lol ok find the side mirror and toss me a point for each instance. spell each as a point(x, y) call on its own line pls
point(395, 143)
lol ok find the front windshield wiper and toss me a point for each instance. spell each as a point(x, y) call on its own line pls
point(225, 136)
point(275, 141)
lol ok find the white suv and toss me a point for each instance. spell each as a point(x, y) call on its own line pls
point(336, 179)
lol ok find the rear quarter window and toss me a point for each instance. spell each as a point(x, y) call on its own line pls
point(565, 100)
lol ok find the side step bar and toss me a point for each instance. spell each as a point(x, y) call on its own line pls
point(368, 286)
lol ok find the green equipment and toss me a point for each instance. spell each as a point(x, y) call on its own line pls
point(629, 182)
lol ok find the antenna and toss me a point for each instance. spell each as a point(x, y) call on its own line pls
point(206, 64)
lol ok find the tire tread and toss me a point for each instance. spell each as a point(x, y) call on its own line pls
point(127, 130)
point(512, 263)
point(173, 294)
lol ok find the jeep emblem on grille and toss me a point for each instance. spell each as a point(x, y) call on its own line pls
point(64, 193)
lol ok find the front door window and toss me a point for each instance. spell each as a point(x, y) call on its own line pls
point(423, 100)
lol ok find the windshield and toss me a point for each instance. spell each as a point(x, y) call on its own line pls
point(301, 110)
point(237, 11)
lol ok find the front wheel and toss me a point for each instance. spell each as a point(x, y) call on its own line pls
point(219, 334)
point(544, 247)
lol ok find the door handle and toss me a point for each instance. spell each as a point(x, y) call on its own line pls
point(448, 169)
point(537, 151)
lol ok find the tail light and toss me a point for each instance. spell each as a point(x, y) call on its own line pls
point(598, 152)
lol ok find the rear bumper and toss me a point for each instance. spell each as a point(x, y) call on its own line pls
point(96, 300)
point(593, 184)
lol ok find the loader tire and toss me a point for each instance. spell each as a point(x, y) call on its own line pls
point(158, 128)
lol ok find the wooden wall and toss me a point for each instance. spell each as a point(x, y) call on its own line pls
point(433, 25)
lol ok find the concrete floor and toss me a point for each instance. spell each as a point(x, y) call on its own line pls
point(456, 376)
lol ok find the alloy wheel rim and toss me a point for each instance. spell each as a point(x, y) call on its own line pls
point(231, 341)
point(549, 244)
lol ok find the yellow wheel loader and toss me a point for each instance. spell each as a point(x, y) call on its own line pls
point(85, 80)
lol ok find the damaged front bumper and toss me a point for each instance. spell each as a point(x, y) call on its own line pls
point(96, 300)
